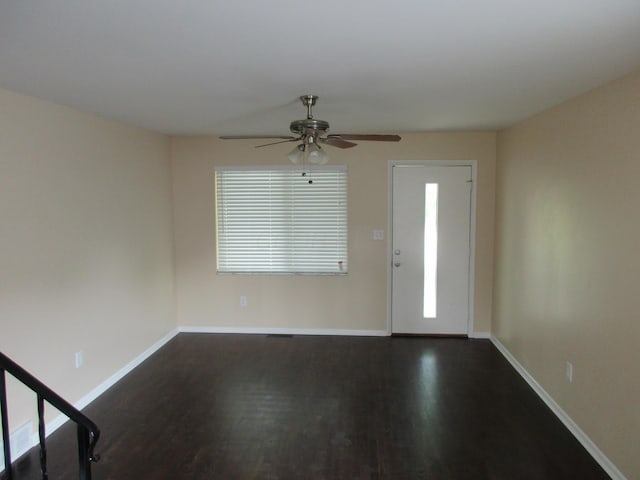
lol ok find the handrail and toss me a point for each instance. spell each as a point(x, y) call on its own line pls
point(88, 431)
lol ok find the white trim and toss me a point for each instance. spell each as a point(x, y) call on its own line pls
point(113, 379)
point(472, 245)
point(100, 389)
point(568, 422)
point(284, 331)
point(19, 442)
point(480, 335)
point(472, 231)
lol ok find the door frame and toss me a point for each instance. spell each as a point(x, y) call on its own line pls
point(472, 229)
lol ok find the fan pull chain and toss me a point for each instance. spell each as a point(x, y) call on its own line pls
point(304, 167)
point(304, 174)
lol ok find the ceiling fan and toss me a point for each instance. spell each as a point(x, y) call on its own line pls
point(309, 132)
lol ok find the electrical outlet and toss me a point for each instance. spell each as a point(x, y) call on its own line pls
point(569, 372)
point(243, 301)
point(79, 359)
point(378, 234)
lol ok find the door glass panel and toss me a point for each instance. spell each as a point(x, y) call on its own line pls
point(430, 249)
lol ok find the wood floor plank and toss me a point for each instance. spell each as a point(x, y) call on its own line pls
point(311, 407)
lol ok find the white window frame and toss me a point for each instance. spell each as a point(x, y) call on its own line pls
point(281, 220)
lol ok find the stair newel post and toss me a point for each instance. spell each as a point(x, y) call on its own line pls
point(83, 453)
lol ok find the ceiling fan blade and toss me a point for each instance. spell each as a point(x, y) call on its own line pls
point(290, 139)
point(374, 137)
point(336, 142)
point(251, 137)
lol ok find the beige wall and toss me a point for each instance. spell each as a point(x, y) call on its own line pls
point(568, 259)
point(357, 301)
point(86, 249)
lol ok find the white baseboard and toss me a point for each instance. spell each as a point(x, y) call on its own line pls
point(19, 441)
point(481, 335)
point(607, 465)
point(285, 331)
point(303, 331)
point(113, 379)
point(91, 396)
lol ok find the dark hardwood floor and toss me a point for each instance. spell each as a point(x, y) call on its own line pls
point(261, 407)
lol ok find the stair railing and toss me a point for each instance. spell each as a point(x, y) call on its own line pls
point(88, 432)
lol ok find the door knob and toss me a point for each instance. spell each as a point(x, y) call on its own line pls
point(397, 252)
point(396, 264)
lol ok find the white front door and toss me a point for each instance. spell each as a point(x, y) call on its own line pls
point(431, 208)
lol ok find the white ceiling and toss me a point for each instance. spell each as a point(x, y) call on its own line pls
point(238, 66)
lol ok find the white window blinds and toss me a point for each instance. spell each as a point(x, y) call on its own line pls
point(275, 220)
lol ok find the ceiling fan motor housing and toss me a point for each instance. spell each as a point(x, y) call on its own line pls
point(309, 126)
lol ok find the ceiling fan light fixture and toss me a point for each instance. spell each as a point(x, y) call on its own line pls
point(297, 154)
point(316, 154)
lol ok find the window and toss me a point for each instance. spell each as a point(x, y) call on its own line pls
point(278, 220)
point(430, 249)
